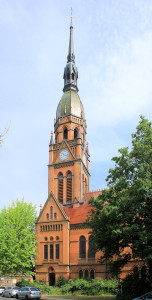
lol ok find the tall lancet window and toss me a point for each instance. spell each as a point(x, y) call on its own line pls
point(75, 133)
point(82, 247)
point(60, 187)
point(69, 186)
point(65, 133)
point(91, 251)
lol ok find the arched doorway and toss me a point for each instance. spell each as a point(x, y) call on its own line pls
point(51, 276)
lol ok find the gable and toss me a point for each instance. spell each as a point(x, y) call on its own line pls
point(64, 153)
point(52, 211)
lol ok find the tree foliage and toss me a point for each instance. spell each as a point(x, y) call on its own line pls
point(17, 238)
point(121, 218)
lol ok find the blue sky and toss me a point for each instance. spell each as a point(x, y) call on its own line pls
point(113, 49)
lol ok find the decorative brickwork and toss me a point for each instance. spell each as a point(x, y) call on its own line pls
point(64, 242)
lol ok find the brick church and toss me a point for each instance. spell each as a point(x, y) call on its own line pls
point(64, 244)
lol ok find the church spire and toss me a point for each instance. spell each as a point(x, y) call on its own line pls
point(71, 56)
point(70, 71)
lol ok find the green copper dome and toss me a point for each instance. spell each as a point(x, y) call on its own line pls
point(70, 103)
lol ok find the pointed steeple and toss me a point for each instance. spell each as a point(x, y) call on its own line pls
point(71, 56)
point(70, 71)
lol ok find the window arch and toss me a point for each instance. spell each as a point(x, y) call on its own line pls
point(60, 187)
point(72, 76)
point(69, 186)
point(75, 133)
point(82, 247)
point(80, 274)
point(91, 251)
point(47, 216)
point(65, 133)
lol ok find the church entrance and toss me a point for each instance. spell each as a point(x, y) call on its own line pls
point(51, 276)
point(52, 279)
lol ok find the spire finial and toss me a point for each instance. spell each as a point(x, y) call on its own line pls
point(70, 71)
point(71, 16)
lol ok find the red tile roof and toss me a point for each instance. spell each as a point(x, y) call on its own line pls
point(78, 215)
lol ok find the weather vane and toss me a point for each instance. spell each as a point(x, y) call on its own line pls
point(71, 16)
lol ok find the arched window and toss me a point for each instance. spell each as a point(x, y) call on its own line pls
point(82, 247)
point(60, 187)
point(86, 274)
point(68, 76)
point(75, 133)
point(65, 133)
point(55, 215)
point(51, 212)
point(80, 274)
point(72, 76)
point(47, 216)
point(92, 274)
point(69, 187)
point(91, 251)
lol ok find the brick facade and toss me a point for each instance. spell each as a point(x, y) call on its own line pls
point(61, 235)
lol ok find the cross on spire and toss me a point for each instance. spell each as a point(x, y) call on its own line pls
point(71, 16)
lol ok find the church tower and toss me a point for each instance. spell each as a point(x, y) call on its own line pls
point(64, 245)
point(69, 177)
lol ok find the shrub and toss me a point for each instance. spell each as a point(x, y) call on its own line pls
point(77, 286)
point(61, 281)
point(92, 287)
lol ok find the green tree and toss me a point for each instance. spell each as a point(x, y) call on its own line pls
point(17, 238)
point(121, 218)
